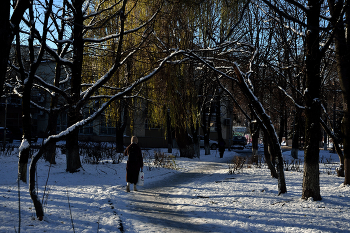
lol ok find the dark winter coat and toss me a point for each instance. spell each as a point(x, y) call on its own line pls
point(133, 165)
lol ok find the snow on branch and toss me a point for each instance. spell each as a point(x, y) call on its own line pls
point(119, 95)
point(290, 97)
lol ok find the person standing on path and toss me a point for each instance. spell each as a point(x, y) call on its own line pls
point(134, 163)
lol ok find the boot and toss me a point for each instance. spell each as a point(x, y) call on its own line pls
point(135, 189)
point(128, 187)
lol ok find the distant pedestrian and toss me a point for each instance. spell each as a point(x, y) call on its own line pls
point(134, 163)
point(222, 144)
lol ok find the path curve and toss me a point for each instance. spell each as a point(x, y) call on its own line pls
point(155, 204)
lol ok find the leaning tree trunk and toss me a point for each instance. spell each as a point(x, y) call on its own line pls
point(311, 180)
point(32, 182)
point(275, 147)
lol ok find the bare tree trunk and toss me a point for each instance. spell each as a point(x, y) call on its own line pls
point(195, 132)
point(32, 190)
point(206, 130)
point(254, 131)
point(72, 146)
point(311, 182)
point(121, 124)
point(50, 153)
point(269, 129)
point(184, 143)
point(218, 126)
point(295, 139)
point(169, 133)
point(342, 48)
point(267, 156)
point(7, 34)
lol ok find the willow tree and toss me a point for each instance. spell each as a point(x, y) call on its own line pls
point(191, 28)
point(83, 16)
point(120, 112)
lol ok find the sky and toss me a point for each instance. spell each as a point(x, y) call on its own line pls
point(198, 196)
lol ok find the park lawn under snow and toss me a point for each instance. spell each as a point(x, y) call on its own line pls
point(94, 199)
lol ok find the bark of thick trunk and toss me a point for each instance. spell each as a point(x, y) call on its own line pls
point(346, 142)
point(72, 152)
point(72, 146)
point(311, 180)
point(311, 185)
point(184, 143)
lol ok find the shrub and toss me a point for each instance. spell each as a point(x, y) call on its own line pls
point(236, 164)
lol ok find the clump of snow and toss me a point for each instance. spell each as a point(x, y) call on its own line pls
point(201, 195)
point(24, 145)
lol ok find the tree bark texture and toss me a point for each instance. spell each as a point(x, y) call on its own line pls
point(311, 186)
point(72, 146)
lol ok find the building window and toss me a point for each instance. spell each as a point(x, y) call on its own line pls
point(106, 127)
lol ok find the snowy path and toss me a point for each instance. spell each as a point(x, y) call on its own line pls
point(157, 205)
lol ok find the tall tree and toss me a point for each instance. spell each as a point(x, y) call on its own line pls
point(340, 12)
point(311, 183)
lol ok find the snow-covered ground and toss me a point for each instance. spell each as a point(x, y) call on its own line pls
point(94, 199)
